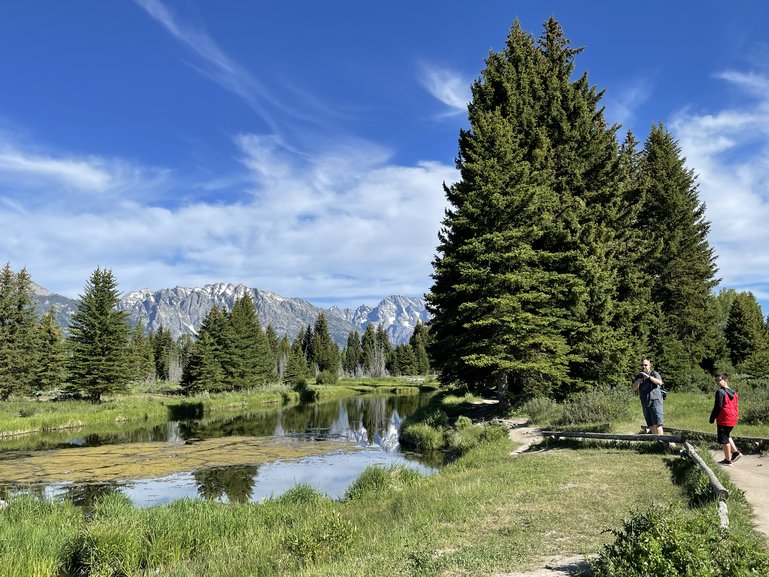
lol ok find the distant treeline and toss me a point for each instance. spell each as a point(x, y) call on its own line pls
point(102, 352)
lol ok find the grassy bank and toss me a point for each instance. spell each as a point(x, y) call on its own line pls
point(486, 512)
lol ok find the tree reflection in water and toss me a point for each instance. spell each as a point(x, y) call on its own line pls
point(234, 481)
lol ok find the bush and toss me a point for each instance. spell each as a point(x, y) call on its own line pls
point(320, 539)
point(601, 405)
point(301, 494)
point(327, 378)
point(663, 541)
point(378, 479)
point(542, 410)
point(420, 437)
point(463, 422)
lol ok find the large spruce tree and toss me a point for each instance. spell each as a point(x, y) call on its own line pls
point(98, 336)
point(746, 337)
point(18, 361)
point(681, 272)
point(526, 283)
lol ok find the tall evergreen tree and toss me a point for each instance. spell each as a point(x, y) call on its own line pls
point(18, 362)
point(164, 352)
point(325, 352)
point(297, 370)
point(525, 295)
point(100, 363)
point(142, 354)
point(418, 342)
point(368, 349)
point(351, 358)
point(745, 335)
point(682, 273)
point(204, 369)
point(52, 357)
point(250, 361)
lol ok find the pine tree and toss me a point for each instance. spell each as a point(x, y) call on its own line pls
point(51, 370)
point(204, 369)
point(297, 370)
point(368, 349)
point(682, 273)
point(325, 352)
point(163, 352)
point(18, 361)
point(98, 337)
point(248, 361)
point(525, 296)
point(418, 343)
point(351, 357)
point(141, 354)
point(745, 335)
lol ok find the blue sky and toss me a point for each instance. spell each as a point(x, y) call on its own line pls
point(300, 146)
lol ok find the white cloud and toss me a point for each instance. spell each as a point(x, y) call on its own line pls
point(350, 226)
point(447, 86)
point(728, 149)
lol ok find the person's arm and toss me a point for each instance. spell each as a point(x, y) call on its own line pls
point(638, 380)
point(655, 378)
point(718, 404)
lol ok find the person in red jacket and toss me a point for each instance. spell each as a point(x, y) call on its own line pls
point(726, 411)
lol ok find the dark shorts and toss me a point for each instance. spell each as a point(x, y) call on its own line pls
point(653, 413)
point(723, 433)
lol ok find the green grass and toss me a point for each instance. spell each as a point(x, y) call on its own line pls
point(486, 512)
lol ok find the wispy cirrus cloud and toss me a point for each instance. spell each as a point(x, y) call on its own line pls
point(447, 86)
point(42, 177)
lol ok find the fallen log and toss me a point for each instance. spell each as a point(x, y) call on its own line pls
point(715, 484)
point(613, 436)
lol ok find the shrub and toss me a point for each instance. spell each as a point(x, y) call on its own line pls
point(377, 479)
point(463, 422)
point(421, 437)
point(542, 410)
point(756, 414)
point(320, 539)
point(663, 541)
point(601, 405)
point(327, 378)
point(301, 494)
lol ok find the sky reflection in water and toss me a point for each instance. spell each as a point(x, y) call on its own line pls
point(371, 424)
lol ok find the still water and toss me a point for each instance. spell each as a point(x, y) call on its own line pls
point(248, 457)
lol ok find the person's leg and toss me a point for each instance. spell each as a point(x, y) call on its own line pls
point(724, 439)
point(647, 412)
point(657, 418)
point(735, 451)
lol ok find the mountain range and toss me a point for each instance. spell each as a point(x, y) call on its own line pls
point(182, 310)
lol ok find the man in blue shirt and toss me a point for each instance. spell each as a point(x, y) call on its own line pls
point(648, 383)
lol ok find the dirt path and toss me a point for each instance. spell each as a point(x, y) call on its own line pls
point(751, 474)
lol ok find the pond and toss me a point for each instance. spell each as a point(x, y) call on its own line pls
point(248, 457)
